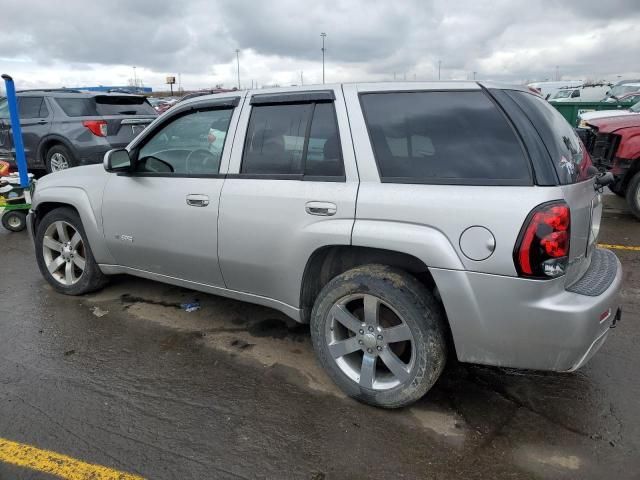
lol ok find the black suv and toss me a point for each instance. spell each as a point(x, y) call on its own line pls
point(65, 128)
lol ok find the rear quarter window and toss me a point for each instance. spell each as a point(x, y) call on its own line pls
point(78, 107)
point(443, 137)
point(565, 148)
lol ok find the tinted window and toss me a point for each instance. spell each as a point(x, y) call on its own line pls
point(560, 139)
point(78, 107)
point(4, 108)
point(191, 144)
point(280, 141)
point(115, 105)
point(443, 137)
point(29, 107)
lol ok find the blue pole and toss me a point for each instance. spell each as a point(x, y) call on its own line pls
point(17, 131)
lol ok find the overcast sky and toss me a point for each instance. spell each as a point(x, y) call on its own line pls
point(79, 43)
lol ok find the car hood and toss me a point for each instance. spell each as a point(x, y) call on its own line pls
point(587, 116)
point(612, 124)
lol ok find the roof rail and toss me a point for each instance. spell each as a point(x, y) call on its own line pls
point(49, 90)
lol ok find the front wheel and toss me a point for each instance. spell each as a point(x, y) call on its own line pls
point(64, 255)
point(379, 334)
point(633, 195)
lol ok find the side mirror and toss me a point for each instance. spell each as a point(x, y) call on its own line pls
point(117, 160)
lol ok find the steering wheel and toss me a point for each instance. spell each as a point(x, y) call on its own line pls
point(201, 161)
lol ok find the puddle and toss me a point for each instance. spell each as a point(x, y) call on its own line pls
point(444, 423)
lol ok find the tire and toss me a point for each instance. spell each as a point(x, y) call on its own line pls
point(59, 158)
point(77, 272)
point(633, 195)
point(14, 220)
point(422, 358)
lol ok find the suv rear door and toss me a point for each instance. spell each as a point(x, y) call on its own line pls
point(291, 190)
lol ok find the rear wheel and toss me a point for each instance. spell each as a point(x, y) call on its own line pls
point(64, 255)
point(15, 220)
point(59, 158)
point(633, 195)
point(379, 334)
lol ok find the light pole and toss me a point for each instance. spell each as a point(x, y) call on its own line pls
point(238, 62)
point(474, 75)
point(135, 79)
point(439, 63)
point(323, 35)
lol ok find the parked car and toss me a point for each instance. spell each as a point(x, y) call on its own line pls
point(65, 128)
point(618, 92)
point(549, 89)
point(585, 93)
point(614, 144)
point(585, 117)
point(407, 222)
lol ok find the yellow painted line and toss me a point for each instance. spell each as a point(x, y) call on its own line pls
point(57, 464)
point(619, 247)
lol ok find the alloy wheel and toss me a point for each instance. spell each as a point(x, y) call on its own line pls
point(63, 252)
point(370, 342)
point(58, 162)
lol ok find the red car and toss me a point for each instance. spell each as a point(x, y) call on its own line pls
point(614, 144)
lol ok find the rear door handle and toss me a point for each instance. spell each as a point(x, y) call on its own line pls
point(197, 200)
point(324, 209)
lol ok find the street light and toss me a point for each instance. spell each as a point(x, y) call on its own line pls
point(439, 63)
point(323, 35)
point(135, 79)
point(238, 62)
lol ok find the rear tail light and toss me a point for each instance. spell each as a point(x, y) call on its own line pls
point(542, 249)
point(97, 127)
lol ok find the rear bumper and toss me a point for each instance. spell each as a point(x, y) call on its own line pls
point(530, 324)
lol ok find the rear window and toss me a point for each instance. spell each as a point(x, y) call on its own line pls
point(560, 138)
point(105, 105)
point(443, 137)
point(112, 105)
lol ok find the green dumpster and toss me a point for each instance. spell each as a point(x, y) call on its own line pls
point(571, 110)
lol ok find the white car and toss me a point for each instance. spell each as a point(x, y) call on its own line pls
point(585, 93)
point(585, 117)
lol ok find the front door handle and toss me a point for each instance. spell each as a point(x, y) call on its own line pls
point(197, 200)
point(324, 209)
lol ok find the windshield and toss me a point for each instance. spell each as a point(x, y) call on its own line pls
point(620, 90)
point(563, 94)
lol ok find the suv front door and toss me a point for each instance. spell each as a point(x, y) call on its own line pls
point(291, 189)
point(163, 217)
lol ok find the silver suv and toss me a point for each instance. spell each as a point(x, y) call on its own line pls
point(407, 222)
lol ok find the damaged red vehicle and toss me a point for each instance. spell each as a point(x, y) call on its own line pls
point(614, 144)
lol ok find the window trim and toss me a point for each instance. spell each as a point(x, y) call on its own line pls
point(203, 107)
point(294, 176)
point(489, 182)
point(313, 96)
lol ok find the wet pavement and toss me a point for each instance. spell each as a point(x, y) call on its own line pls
point(126, 379)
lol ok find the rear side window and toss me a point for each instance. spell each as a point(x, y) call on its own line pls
point(560, 138)
point(443, 137)
point(114, 105)
point(293, 139)
point(78, 107)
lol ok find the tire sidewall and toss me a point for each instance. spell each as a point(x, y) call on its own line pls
point(413, 303)
point(62, 150)
point(92, 278)
point(633, 189)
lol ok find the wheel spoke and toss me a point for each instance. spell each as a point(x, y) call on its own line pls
point(75, 240)
point(55, 264)
point(52, 244)
point(394, 364)
point(63, 236)
point(344, 347)
point(368, 371)
point(68, 273)
point(371, 309)
point(79, 261)
point(399, 333)
point(342, 315)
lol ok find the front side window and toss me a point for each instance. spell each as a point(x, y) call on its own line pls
point(443, 137)
point(191, 144)
point(293, 139)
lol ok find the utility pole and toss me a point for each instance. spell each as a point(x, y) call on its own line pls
point(439, 63)
point(238, 62)
point(301, 77)
point(557, 73)
point(474, 75)
point(135, 79)
point(323, 35)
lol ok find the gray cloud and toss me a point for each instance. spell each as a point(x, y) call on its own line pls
point(504, 39)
